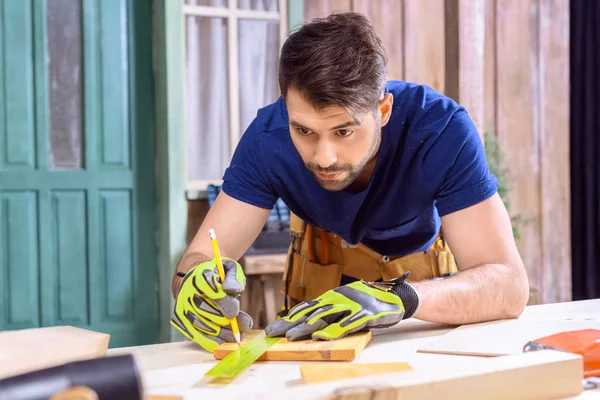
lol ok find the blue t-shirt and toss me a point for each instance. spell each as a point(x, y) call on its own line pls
point(431, 162)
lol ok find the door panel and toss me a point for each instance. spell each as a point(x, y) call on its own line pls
point(17, 113)
point(18, 259)
point(69, 257)
point(76, 188)
point(116, 256)
point(114, 134)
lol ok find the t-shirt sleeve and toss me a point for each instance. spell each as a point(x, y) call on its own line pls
point(246, 178)
point(461, 173)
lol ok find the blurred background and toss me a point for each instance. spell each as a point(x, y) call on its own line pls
point(119, 117)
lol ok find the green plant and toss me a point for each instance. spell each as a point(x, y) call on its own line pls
point(495, 157)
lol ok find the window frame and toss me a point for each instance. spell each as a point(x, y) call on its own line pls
point(232, 13)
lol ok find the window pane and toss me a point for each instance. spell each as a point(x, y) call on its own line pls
point(207, 103)
point(209, 3)
point(258, 56)
point(259, 5)
point(64, 83)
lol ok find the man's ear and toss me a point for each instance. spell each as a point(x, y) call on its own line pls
point(385, 108)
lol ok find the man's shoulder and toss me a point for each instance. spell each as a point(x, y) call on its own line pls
point(266, 132)
point(270, 117)
point(425, 115)
point(421, 104)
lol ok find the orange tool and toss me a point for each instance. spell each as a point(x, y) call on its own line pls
point(585, 342)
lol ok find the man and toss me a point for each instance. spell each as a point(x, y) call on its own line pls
point(394, 211)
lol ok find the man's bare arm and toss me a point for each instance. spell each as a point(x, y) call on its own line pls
point(492, 283)
point(237, 224)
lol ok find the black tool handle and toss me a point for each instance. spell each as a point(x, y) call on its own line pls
point(114, 377)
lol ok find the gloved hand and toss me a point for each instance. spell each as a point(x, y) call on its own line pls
point(347, 309)
point(204, 304)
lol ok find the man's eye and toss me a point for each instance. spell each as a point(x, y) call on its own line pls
point(345, 132)
point(303, 131)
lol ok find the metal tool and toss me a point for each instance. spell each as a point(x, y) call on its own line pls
point(585, 342)
point(113, 378)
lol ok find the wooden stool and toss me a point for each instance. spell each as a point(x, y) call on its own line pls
point(262, 298)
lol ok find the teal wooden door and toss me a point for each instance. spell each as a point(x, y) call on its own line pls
point(77, 209)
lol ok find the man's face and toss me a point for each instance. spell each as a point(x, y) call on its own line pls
point(334, 147)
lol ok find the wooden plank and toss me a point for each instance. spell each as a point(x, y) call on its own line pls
point(385, 14)
point(535, 375)
point(85, 393)
point(465, 20)
point(489, 68)
point(500, 338)
point(317, 373)
point(345, 349)
point(424, 57)
point(555, 156)
point(164, 397)
point(165, 355)
point(26, 350)
point(322, 8)
point(177, 368)
point(582, 310)
point(272, 295)
point(517, 124)
point(258, 264)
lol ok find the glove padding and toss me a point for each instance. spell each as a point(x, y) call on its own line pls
point(204, 305)
point(348, 309)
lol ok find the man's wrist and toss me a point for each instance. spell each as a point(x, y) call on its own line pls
point(410, 298)
point(186, 263)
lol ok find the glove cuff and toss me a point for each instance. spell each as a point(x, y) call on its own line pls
point(410, 298)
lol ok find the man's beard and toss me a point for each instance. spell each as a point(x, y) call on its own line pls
point(353, 172)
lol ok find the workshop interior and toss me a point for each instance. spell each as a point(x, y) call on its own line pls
point(119, 118)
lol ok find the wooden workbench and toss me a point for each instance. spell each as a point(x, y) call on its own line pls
point(178, 368)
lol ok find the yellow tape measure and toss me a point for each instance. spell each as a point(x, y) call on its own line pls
point(240, 359)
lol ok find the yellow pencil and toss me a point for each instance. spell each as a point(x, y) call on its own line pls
point(215, 246)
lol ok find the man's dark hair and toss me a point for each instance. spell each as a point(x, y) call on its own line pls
point(338, 60)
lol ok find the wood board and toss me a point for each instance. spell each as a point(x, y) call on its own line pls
point(345, 349)
point(537, 375)
point(316, 373)
point(499, 338)
point(26, 350)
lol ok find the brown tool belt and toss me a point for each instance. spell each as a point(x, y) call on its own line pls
point(317, 260)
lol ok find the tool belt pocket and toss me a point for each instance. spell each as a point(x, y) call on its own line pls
point(422, 265)
point(309, 279)
point(446, 264)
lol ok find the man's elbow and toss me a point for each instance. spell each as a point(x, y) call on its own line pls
point(517, 292)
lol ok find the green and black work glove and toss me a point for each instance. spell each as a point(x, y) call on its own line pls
point(347, 309)
point(204, 304)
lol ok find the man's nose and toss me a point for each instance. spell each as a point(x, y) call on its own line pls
point(325, 155)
